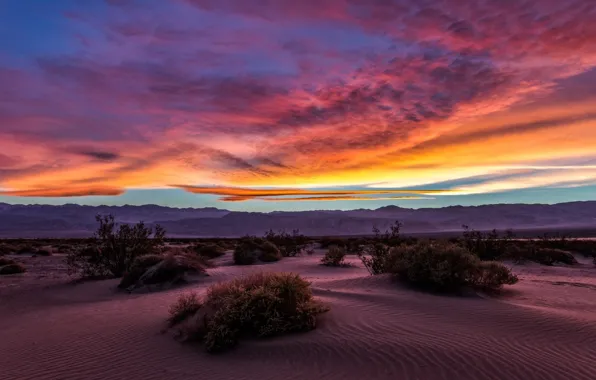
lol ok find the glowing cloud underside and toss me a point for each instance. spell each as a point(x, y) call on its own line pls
point(274, 101)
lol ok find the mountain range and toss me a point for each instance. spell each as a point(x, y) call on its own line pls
point(70, 220)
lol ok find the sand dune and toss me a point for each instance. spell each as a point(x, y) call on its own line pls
point(542, 328)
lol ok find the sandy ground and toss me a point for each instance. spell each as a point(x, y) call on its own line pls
point(542, 328)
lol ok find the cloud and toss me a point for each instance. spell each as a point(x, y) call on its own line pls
point(326, 92)
point(64, 192)
point(99, 155)
point(237, 194)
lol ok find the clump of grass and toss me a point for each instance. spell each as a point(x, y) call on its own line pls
point(258, 305)
point(249, 250)
point(13, 268)
point(334, 257)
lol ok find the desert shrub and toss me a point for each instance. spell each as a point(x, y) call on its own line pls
point(376, 254)
point(375, 258)
point(208, 250)
point(492, 275)
point(6, 261)
point(269, 252)
point(172, 268)
point(334, 257)
point(6, 249)
point(138, 268)
point(258, 305)
point(13, 268)
point(185, 306)
point(309, 250)
point(530, 251)
point(43, 252)
point(289, 245)
point(24, 249)
point(551, 256)
point(327, 242)
point(64, 248)
point(487, 246)
point(445, 267)
point(356, 245)
point(390, 237)
point(111, 251)
point(249, 250)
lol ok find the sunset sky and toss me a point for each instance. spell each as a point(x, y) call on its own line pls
point(289, 105)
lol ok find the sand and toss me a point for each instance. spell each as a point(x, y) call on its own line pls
point(542, 328)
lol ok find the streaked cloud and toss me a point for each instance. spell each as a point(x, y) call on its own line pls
point(64, 192)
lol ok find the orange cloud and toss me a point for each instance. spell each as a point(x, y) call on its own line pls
point(238, 194)
point(64, 192)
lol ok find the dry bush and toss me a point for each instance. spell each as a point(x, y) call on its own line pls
point(208, 250)
point(375, 258)
point(185, 307)
point(13, 268)
point(25, 249)
point(43, 252)
point(249, 250)
point(487, 245)
point(492, 275)
point(6, 249)
point(6, 261)
point(446, 267)
point(529, 251)
point(169, 269)
point(258, 305)
point(334, 257)
point(289, 245)
point(112, 251)
point(138, 268)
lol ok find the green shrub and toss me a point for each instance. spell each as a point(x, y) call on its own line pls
point(111, 251)
point(13, 268)
point(334, 257)
point(446, 267)
point(258, 305)
point(208, 250)
point(249, 250)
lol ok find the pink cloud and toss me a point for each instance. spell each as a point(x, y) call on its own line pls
point(147, 91)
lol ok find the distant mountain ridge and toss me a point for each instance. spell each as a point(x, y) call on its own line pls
point(78, 221)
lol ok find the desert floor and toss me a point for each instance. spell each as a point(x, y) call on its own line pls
point(542, 328)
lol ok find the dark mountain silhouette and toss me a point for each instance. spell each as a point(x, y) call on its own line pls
point(78, 221)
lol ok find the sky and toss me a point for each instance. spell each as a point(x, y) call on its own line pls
point(265, 105)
